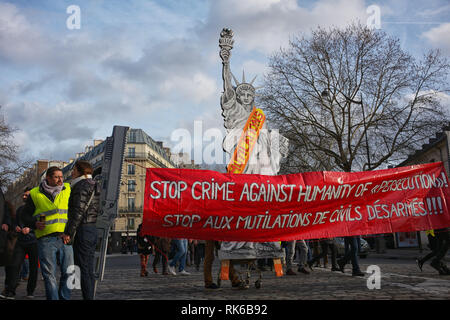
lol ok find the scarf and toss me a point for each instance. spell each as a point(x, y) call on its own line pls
point(76, 180)
point(54, 191)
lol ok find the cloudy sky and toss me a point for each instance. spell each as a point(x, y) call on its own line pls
point(154, 64)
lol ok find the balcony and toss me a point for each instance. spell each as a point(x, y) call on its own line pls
point(131, 210)
point(144, 156)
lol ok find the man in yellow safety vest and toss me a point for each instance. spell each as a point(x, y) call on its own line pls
point(46, 212)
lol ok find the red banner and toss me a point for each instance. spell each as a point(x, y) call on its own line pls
point(202, 204)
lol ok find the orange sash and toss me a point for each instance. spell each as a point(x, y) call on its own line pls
point(247, 141)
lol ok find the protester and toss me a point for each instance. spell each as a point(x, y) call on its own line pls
point(210, 247)
point(303, 256)
point(199, 252)
point(80, 228)
point(9, 258)
point(324, 245)
point(290, 252)
point(26, 246)
point(144, 249)
point(162, 248)
point(45, 211)
point(179, 257)
point(440, 248)
point(207, 265)
point(351, 253)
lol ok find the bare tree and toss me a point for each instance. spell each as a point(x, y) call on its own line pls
point(352, 99)
point(11, 166)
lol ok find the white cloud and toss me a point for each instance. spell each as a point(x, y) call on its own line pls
point(141, 64)
point(439, 37)
point(19, 40)
point(267, 25)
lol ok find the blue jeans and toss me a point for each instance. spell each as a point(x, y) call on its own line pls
point(180, 254)
point(351, 252)
point(53, 252)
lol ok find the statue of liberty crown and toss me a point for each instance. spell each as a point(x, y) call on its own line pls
point(244, 86)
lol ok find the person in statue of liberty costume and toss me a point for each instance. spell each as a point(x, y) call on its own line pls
point(237, 103)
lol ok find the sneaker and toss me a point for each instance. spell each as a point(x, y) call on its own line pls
point(155, 270)
point(358, 274)
point(290, 272)
point(212, 286)
point(29, 296)
point(184, 273)
point(419, 264)
point(172, 270)
point(8, 295)
point(335, 268)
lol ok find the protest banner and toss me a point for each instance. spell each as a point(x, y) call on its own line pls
point(202, 204)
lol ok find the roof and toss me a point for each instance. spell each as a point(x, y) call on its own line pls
point(432, 142)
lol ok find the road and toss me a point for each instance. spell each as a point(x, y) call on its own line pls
point(400, 279)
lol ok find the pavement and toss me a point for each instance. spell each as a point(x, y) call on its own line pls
point(400, 279)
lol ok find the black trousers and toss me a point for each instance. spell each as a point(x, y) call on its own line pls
point(442, 245)
point(12, 271)
point(83, 254)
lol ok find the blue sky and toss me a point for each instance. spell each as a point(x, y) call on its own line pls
point(154, 64)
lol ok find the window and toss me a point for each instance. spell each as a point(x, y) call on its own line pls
point(130, 223)
point(131, 152)
point(132, 136)
point(131, 205)
point(131, 185)
point(131, 169)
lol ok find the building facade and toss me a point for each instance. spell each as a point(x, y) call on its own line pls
point(30, 179)
point(141, 152)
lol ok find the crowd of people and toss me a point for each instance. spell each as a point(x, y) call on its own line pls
point(55, 229)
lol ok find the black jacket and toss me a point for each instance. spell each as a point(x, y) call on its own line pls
point(78, 213)
point(24, 238)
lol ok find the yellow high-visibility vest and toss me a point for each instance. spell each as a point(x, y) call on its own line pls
point(55, 212)
point(430, 232)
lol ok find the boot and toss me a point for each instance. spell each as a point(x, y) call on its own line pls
point(436, 265)
point(445, 269)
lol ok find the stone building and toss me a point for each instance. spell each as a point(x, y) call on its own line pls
point(141, 152)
